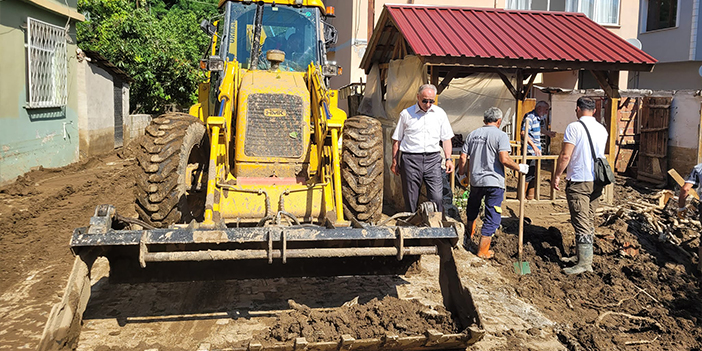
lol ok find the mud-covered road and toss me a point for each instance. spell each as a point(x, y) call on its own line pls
point(647, 302)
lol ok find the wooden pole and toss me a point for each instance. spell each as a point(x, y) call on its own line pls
point(537, 187)
point(522, 193)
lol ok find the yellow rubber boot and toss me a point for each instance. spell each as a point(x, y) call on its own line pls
point(484, 248)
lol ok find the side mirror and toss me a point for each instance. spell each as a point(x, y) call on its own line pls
point(207, 27)
point(331, 35)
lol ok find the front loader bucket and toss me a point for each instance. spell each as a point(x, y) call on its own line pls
point(182, 248)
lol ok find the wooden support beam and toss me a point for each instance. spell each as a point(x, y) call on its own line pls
point(529, 85)
point(609, 82)
point(537, 188)
point(447, 79)
point(433, 75)
point(602, 80)
point(386, 49)
point(508, 84)
point(519, 107)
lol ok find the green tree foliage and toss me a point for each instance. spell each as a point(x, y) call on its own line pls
point(158, 43)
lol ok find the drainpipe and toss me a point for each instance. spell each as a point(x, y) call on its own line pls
point(694, 29)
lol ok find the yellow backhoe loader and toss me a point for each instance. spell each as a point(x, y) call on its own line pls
point(264, 169)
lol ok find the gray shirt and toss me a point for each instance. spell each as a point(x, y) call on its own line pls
point(483, 146)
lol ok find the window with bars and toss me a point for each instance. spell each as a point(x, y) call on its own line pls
point(601, 11)
point(47, 64)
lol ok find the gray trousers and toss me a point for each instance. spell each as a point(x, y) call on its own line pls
point(416, 169)
point(583, 199)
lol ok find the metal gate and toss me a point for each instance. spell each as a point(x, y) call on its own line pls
point(653, 148)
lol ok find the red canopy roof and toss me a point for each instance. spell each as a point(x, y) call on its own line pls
point(485, 37)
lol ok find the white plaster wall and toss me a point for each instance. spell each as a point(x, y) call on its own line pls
point(563, 110)
point(100, 99)
point(82, 70)
point(685, 119)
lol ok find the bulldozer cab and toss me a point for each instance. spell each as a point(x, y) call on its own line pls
point(292, 30)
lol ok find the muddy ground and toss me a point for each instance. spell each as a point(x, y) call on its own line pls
point(650, 301)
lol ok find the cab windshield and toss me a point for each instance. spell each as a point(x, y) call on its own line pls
point(288, 29)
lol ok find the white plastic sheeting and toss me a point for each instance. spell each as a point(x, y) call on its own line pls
point(372, 102)
point(464, 100)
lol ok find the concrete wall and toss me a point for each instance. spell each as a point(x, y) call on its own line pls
point(671, 76)
point(97, 110)
point(684, 131)
point(134, 126)
point(32, 137)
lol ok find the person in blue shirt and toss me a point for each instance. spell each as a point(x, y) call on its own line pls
point(534, 119)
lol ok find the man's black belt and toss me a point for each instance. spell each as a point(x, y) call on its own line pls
point(421, 153)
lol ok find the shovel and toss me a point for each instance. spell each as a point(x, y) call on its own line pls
point(521, 267)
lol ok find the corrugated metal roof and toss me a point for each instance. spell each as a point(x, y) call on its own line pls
point(534, 37)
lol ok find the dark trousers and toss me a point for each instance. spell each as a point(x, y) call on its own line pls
point(493, 207)
point(532, 171)
point(416, 169)
point(583, 198)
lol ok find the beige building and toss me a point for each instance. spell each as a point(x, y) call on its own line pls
point(354, 18)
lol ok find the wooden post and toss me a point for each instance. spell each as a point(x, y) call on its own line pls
point(613, 131)
point(613, 137)
point(519, 107)
point(552, 190)
point(537, 188)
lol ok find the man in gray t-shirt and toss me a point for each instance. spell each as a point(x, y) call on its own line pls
point(488, 148)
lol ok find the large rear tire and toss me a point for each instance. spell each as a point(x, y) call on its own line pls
point(362, 169)
point(173, 156)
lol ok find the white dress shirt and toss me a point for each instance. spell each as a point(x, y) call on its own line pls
point(419, 131)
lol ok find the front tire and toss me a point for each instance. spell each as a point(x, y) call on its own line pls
point(362, 169)
point(173, 160)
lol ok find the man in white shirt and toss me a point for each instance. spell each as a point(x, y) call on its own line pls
point(581, 191)
point(419, 130)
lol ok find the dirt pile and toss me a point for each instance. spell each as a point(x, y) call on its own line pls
point(377, 318)
point(644, 291)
